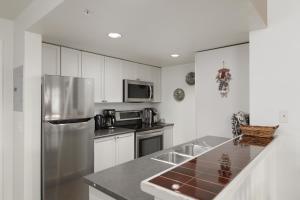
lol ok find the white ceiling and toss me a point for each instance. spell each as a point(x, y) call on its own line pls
point(151, 29)
point(10, 9)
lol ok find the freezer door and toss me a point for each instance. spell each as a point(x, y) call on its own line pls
point(67, 98)
point(68, 155)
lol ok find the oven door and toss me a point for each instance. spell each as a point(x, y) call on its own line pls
point(148, 142)
point(137, 91)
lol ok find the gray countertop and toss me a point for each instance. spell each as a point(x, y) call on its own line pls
point(123, 181)
point(117, 131)
point(111, 132)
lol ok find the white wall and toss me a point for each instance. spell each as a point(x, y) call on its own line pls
point(6, 117)
point(1, 128)
point(274, 87)
point(213, 113)
point(182, 114)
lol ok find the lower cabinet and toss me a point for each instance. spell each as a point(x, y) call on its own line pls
point(112, 151)
point(168, 137)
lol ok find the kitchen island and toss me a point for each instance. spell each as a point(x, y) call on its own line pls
point(123, 181)
point(240, 169)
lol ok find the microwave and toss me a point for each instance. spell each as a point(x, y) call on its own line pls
point(137, 91)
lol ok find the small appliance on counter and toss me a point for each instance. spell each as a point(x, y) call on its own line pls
point(109, 118)
point(150, 116)
point(99, 122)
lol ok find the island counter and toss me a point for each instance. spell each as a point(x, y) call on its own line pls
point(123, 181)
point(239, 169)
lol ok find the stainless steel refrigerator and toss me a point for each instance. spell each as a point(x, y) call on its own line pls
point(67, 137)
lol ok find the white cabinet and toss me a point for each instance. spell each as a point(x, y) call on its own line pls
point(144, 72)
point(156, 79)
point(70, 62)
point(112, 151)
point(151, 74)
point(50, 59)
point(124, 148)
point(168, 137)
point(130, 70)
point(113, 80)
point(104, 153)
point(93, 67)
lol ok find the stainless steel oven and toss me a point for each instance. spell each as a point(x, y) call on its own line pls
point(137, 91)
point(148, 142)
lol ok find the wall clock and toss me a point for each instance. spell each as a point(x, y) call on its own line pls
point(179, 94)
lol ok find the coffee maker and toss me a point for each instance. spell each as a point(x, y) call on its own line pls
point(109, 118)
point(150, 116)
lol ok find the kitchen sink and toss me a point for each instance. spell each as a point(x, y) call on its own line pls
point(191, 149)
point(172, 158)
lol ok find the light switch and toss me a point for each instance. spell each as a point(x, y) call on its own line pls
point(283, 117)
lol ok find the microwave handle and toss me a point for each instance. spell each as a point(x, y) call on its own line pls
point(151, 92)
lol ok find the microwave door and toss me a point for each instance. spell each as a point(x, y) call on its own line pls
point(137, 91)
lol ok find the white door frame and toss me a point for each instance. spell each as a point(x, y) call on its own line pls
point(1, 125)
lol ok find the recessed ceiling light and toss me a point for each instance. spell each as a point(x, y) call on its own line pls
point(114, 35)
point(175, 55)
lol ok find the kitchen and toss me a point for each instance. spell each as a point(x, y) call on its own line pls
point(140, 58)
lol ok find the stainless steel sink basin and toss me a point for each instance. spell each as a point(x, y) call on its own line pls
point(172, 158)
point(191, 149)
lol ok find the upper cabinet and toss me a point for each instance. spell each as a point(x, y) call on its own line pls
point(93, 67)
point(50, 59)
point(70, 62)
point(129, 70)
point(113, 80)
point(144, 72)
point(108, 73)
point(156, 79)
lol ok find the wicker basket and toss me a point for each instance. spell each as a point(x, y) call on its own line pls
point(259, 131)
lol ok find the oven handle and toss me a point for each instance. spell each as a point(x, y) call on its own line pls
point(149, 135)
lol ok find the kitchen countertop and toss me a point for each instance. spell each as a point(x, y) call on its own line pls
point(123, 181)
point(111, 132)
point(123, 130)
point(206, 175)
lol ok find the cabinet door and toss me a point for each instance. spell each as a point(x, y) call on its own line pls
point(129, 70)
point(104, 153)
point(50, 59)
point(156, 79)
point(93, 67)
point(124, 148)
point(168, 137)
point(70, 62)
point(113, 80)
point(144, 72)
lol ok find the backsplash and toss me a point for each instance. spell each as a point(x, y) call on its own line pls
point(99, 107)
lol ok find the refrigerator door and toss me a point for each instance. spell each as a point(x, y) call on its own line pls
point(67, 98)
point(68, 155)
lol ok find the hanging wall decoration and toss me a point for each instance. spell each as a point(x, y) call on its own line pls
point(223, 79)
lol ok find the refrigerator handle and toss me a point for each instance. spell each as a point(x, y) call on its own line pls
point(70, 121)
